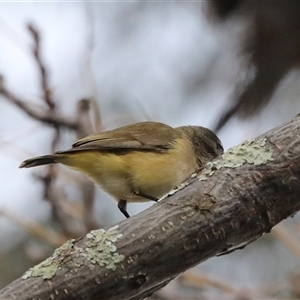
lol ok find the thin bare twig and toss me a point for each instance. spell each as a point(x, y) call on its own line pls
point(44, 75)
point(45, 86)
point(84, 128)
point(81, 124)
point(38, 114)
point(56, 196)
point(83, 118)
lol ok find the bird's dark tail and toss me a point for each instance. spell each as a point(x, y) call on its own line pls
point(38, 161)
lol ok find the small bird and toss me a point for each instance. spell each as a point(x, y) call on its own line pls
point(138, 162)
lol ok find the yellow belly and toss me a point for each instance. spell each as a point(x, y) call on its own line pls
point(122, 175)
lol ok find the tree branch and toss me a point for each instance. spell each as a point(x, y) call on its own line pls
point(42, 115)
point(36, 49)
point(229, 204)
point(71, 226)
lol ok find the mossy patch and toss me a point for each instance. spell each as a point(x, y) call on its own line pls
point(100, 250)
point(254, 152)
point(48, 267)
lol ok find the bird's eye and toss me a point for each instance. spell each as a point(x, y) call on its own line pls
point(220, 147)
point(210, 149)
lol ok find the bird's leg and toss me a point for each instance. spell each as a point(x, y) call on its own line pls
point(139, 193)
point(122, 204)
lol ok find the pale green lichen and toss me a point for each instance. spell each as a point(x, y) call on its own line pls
point(101, 249)
point(48, 267)
point(253, 152)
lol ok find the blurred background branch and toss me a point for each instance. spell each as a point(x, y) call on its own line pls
point(271, 46)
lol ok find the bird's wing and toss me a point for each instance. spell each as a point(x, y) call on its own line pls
point(140, 136)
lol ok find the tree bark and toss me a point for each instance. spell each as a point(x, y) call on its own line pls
point(229, 204)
